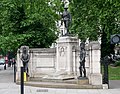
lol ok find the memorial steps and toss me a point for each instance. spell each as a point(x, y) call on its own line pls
point(61, 83)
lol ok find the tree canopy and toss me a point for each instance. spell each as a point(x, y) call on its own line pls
point(33, 22)
point(94, 18)
point(27, 22)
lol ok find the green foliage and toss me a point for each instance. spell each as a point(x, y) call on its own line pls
point(117, 63)
point(84, 18)
point(114, 73)
point(93, 18)
point(27, 22)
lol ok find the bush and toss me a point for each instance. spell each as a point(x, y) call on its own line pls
point(117, 63)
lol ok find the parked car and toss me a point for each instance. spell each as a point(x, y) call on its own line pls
point(2, 61)
point(2, 64)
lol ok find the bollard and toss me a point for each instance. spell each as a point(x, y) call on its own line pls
point(22, 80)
point(5, 67)
point(25, 77)
point(14, 73)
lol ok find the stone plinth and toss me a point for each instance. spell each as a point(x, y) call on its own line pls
point(83, 81)
point(66, 55)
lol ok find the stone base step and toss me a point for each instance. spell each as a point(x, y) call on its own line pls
point(81, 81)
point(61, 85)
point(70, 80)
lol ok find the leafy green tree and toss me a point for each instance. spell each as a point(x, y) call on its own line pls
point(27, 22)
point(92, 18)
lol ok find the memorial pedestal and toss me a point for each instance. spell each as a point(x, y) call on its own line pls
point(82, 81)
point(66, 55)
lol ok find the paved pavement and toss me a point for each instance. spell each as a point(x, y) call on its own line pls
point(115, 84)
point(7, 86)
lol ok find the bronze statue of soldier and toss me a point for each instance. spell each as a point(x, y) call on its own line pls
point(66, 18)
point(82, 60)
point(25, 58)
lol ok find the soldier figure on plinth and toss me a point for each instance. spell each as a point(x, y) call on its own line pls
point(66, 18)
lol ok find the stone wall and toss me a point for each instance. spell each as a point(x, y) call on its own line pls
point(42, 62)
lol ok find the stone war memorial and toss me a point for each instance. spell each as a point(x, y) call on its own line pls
point(61, 64)
point(68, 65)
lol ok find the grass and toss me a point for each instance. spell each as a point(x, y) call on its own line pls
point(114, 73)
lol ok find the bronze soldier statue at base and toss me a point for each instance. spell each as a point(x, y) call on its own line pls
point(82, 60)
point(25, 58)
